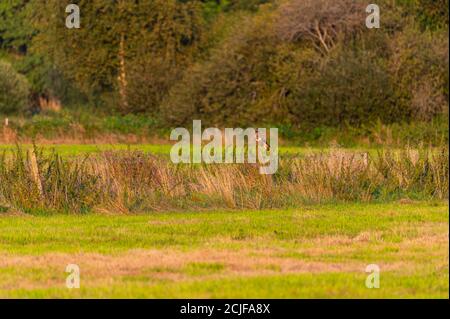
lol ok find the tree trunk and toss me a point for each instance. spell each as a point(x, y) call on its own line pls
point(122, 75)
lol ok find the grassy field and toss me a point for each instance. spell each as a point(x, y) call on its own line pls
point(159, 149)
point(314, 251)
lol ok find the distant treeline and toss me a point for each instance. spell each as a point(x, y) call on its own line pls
point(301, 63)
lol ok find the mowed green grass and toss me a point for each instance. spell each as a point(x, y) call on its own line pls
point(310, 252)
point(84, 149)
point(157, 149)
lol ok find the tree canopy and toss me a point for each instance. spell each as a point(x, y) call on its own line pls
point(299, 62)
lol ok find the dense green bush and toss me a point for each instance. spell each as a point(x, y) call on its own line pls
point(124, 54)
point(149, 79)
point(418, 65)
point(14, 90)
point(432, 14)
point(228, 89)
point(351, 88)
point(309, 64)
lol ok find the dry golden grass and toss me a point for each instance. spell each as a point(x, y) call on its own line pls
point(132, 181)
point(176, 265)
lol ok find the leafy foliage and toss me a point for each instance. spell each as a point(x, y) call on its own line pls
point(297, 64)
point(312, 64)
point(433, 14)
point(14, 90)
point(419, 68)
point(123, 39)
point(228, 88)
point(15, 32)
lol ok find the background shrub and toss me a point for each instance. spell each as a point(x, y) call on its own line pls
point(320, 22)
point(432, 14)
point(349, 88)
point(310, 67)
point(230, 86)
point(418, 65)
point(14, 90)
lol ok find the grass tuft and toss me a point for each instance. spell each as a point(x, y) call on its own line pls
point(39, 182)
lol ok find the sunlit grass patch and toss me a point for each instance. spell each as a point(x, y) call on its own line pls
point(324, 285)
point(313, 251)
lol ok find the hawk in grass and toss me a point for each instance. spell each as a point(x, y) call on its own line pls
point(261, 141)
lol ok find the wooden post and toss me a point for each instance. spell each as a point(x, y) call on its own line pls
point(34, 170)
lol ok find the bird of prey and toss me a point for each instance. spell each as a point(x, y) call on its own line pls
point(261, 141)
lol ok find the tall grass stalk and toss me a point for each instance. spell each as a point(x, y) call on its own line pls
point(132, 181)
